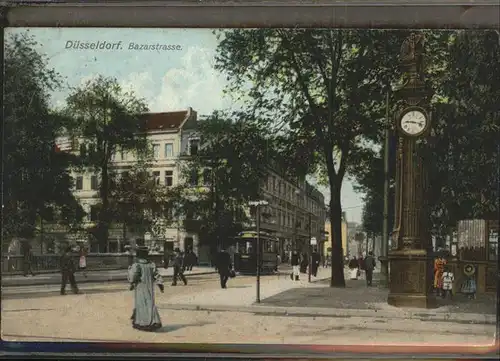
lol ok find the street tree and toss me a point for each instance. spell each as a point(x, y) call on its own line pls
point(138, 201)
point(327, 86)
point(223, 177)
point(463, 151)
point(36, 183)
point(107, 121)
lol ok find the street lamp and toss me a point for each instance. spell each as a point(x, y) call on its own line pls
point(258, 204)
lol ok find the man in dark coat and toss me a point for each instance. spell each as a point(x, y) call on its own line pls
point(369, 264)
point(224, 267)
point(178, 264)
point(68, 269)
point(315, 257)
point(295, 262)
point(27, 258)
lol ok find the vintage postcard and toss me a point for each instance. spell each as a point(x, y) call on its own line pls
point(260, 186)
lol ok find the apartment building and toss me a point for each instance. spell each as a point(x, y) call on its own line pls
point(294, 207)
point(171, 135)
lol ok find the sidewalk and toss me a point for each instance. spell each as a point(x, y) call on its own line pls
point(282, 296)
point(92, 276)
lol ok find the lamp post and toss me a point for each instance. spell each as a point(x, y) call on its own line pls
point(310, 249)
point(258, 204)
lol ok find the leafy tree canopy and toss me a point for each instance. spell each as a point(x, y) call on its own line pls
point(327, 86)
point(106, 120)
point(36, 183)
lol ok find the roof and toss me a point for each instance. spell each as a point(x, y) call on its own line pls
point(163, 121)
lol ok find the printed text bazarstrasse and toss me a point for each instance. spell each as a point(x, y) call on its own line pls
point(118, 45)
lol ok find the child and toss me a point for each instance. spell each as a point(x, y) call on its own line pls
point(447, 282)
point(469, 286)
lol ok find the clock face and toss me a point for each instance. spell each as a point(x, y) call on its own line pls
point(413, 122)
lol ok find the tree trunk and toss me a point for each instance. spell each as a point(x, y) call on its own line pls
point(337, 278)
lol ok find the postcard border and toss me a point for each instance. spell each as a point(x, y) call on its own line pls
point(342, 14)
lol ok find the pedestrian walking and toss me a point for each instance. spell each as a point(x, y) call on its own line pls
point(295, 262)
point(166, 257)
point(190, 259)
point(315, 259)
point(143, 275)
point(68, 271)
point(224, 267)
point(354, 268)
point(178, 264)
point(82, 263)
point(369, 264)
point(304, 263)
point(27, 258)
point(448, 279)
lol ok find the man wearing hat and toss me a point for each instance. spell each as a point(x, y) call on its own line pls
point(143, 275)
point(178, 267)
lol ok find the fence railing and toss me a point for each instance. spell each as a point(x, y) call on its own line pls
point(50, 262)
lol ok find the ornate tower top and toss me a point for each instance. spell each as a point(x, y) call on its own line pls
point(413, 89)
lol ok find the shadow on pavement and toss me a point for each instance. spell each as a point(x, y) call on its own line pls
point(356, 295)
point(172, 328)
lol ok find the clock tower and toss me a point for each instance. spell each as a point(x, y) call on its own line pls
point(411, 267)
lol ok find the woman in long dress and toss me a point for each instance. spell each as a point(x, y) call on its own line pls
point(354, 268)
point(82, 263)
point(143, 275)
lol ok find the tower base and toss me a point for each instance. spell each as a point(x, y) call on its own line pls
point(410, 281)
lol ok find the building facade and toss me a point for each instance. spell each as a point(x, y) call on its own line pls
point(327, 247)
point(171, 135)
point(295, 210)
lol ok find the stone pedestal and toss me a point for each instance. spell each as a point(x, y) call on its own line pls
point(410, 283)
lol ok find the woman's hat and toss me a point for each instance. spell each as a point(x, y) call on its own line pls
point(177, 250)
point(142, 249)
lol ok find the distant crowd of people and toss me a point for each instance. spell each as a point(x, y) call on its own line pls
point(300, 264)
point(366, 264)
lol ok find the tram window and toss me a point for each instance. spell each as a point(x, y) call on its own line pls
point(249, 247)
point(269, 246)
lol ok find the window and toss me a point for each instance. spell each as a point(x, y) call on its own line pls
point(193, 146)
point(93, 182)
point(156, 151)
point(274, 183)
point(156, 177)
point(123, 155)
point(169, 150)
point(93, 213)
point(169, 178)
point(207, 177)
point(79, 183)
point(194, 177)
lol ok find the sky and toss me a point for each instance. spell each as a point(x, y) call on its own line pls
point(177, 75)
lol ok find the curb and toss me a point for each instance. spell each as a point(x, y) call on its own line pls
point(472, 318)
point(56, 281)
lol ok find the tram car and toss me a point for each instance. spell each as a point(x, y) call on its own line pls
point(245, 257)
